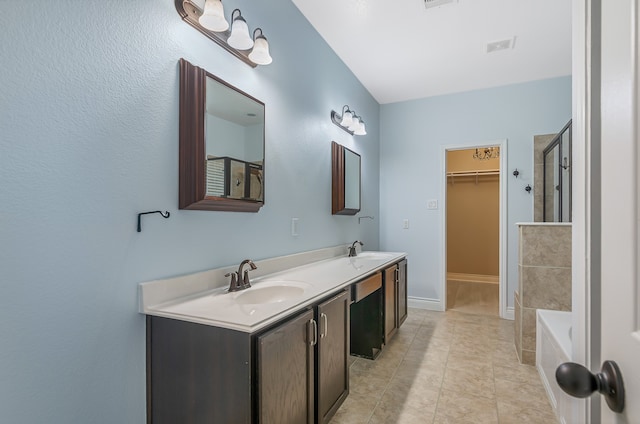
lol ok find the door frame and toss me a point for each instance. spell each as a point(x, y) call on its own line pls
point(585, 259)
point(503, 310)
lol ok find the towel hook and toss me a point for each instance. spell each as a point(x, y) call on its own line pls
point(164, 214)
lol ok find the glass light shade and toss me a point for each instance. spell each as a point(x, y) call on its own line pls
point(213, 16)
point(260, 53)
point(347, 119)
point(355, 124)
point(239, 38)
point(360, 130)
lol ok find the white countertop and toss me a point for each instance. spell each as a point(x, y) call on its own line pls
point(217, 307)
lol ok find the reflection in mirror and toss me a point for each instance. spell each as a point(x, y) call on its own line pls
point(346, 182)
point(351, 180)
point(234, 126)
point(221, 144)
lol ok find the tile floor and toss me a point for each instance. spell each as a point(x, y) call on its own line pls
point(473, 297)
point(446, 367)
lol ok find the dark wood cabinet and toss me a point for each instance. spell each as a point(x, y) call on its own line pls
point(395, 298)
point(294, 372)
point(390, 302)
point(332, 371)
point(402, 292)
point(285, 372)
point(197, 373)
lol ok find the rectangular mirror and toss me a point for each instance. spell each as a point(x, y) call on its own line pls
point(221, 144)
point(346, 183)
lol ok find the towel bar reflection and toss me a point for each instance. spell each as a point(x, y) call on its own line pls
point(164, 214)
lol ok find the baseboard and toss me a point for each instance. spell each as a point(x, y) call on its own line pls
point(473, 278)
point(425, 303)
point(510, 313)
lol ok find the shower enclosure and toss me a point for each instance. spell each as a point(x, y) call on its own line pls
point(557, 177)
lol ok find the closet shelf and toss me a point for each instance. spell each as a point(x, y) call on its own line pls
point(473, 173)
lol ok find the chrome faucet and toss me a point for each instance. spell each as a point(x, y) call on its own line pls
point(352, 249)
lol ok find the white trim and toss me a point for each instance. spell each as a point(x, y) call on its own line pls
point(580, 256)
point(502, 226)
point(510, 313)
point(425, 303)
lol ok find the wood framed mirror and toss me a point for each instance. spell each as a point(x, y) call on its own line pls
point(345, 177)
point(221, 144)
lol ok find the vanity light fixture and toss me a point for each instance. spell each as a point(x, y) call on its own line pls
point(239, 38)
point(348, 121)
point(236, 38)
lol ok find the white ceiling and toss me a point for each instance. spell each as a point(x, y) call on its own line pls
point(400, 50)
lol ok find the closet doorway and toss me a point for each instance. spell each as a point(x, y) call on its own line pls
point(473, 242)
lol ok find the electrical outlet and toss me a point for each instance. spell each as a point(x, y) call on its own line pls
point(432, 204)
point(405, 224)
point(294, 227)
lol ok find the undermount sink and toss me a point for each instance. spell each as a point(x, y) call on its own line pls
point(271, 292)
point(374, 255)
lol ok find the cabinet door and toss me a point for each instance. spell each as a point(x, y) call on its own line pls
point(285, 372)
point(197, 373)
point(390, 303)
point(332, 356)
point(402, 291)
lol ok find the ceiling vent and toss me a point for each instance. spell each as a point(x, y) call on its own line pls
point(501, 45)
point(435, 3)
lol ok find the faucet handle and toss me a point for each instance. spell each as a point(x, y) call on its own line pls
point(233, 285)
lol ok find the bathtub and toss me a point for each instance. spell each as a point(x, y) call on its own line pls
point(553, 347)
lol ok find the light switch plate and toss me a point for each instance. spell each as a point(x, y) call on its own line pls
point(294, 227)
point(405, 224)
point(432, 204)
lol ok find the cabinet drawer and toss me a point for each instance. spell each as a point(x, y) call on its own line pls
point(367, 286)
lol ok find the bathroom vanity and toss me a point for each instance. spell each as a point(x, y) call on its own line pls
point(275, 353)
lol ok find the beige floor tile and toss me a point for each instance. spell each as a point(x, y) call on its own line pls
point(470, 363)
point(477, 382)
point(527, 374)
point(463, 408)
point(393, 413)
point(365, 384)
point(518, 413)
point(376, 368)
point(531, 394)
point(419, 357)
point(426, 375)
point(404, 403)
point(446, 367)
point(356, 409)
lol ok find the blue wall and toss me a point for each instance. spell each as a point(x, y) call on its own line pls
point(89, 138)
point(412, 136)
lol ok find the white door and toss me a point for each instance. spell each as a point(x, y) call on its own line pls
point(620, 211)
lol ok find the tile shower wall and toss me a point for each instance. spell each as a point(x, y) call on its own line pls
point(544, 265)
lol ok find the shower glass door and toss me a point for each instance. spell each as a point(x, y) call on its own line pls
point(557, 177)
